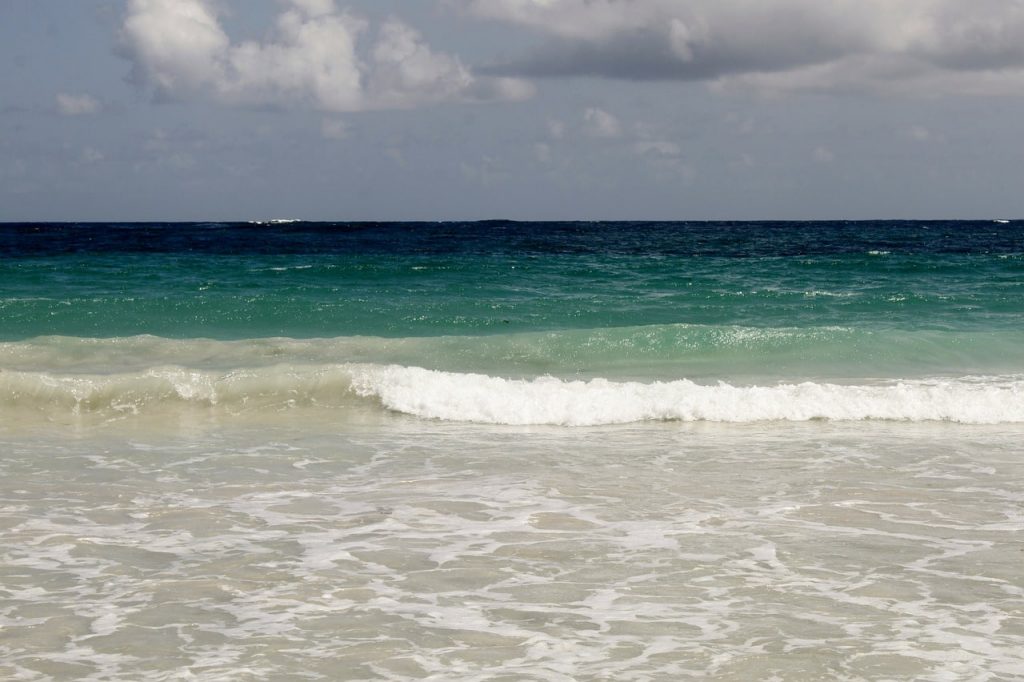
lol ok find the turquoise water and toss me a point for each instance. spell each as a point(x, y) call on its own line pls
point(244, 281)
point(98, 316)
point(504, 451)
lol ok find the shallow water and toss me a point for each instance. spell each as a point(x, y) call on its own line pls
point(402, 549)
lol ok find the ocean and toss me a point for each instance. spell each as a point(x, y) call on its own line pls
point(512, 451)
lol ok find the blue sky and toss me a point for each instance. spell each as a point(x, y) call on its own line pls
point(526, 109)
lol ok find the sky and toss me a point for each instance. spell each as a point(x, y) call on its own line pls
point(521, 109)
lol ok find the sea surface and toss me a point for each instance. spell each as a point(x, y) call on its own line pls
point(512, 451)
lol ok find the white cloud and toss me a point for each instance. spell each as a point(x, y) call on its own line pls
point(77, 105)
point(312, 62)
point(177, 45)
point(599, 123)
point(918, 46)
point(315, 57)
point(406, 71)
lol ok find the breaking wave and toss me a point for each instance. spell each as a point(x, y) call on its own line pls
point(480, 398)
point(547, 400)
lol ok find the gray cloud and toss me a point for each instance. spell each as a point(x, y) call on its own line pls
point(648, 54)
point(928, 46)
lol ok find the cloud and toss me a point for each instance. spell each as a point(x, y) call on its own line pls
point(315, 57)
point(77, 105)
point(599, 123)
point(406, 71)
point(177, 46)
point(922, 46)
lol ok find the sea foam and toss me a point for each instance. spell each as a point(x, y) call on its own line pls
point(552, 401)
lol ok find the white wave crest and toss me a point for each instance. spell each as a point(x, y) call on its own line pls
point(550, 401)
